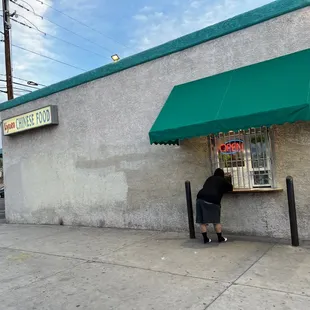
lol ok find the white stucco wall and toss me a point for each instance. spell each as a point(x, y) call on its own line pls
point(97, 167)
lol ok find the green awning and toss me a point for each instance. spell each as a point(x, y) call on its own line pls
point(267, 93)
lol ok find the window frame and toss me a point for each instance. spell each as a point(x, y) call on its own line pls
point(246, 156)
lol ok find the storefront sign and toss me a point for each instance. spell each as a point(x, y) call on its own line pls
point(231, 147)
point(34, 119)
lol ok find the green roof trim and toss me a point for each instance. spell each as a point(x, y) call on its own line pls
point(268, 93)
point(259, 15)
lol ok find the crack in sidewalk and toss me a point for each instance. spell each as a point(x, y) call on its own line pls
point(234, 282)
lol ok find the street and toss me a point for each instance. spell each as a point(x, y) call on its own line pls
point(57, 267)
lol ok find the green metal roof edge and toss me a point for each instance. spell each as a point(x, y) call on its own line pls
point(259, 15)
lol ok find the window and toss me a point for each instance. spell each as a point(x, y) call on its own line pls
point(245, 156)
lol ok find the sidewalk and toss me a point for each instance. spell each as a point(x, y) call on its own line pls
point(56, 267)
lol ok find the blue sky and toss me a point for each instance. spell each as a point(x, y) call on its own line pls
point(123, 27)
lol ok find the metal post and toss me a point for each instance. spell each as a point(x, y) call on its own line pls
point(292, 211)
point(190, 210)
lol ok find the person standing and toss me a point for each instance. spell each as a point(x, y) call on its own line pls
point(208, 204)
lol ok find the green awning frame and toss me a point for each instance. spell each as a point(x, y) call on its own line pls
point(272, 92)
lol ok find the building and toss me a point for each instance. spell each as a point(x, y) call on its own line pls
point(234, 95)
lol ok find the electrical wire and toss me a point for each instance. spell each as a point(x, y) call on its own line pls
point(34, 26)
point(29, 81)
point(52, 36)
point(23, 7)
point(21, 89)
point(17, 78)
point(29, 86)
point(16, 83)
point(60, 26)
point(78, 35)
point(81, 23)
point(47, 57)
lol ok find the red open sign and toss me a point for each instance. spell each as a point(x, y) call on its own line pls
point(231, 147)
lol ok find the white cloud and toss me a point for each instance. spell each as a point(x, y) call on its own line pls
point(79, 9)
point(186, 18)
point(152, 27)
point(33, 67)
point(141, 17)
point(196, 4)
point(27, 65)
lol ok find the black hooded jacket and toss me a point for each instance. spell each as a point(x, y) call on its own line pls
point(214, 189)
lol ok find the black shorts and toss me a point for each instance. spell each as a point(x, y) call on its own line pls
point(207, 213)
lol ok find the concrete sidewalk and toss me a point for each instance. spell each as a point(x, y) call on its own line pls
point(56, 267)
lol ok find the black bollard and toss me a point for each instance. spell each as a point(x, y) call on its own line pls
point(292, 211)
point(190, 210)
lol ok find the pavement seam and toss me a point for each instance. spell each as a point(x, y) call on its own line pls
point(269, 249)
point(162, 272)
point(47, 254)
point(271, 289)
point(234, 282)
point(47, 277)
point(87, 260)
point(143, 240)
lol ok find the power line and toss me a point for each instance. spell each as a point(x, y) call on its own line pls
point(29, 86)
point(23, 7)
point(17, 78)
point(28, 81)
point(34, 26)
point(21, 89)
point(52, 36)
point(18, 93)
point(78, 35)
point(16, 83)
point(60, 26)
point(81, 23)
point(82, 48)
point(47, 57)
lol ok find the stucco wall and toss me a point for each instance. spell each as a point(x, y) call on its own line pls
point(97, 167)
point(267, 214)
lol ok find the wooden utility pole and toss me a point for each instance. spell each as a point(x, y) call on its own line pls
point(7, 48)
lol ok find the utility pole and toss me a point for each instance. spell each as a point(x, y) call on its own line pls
point(7, 48)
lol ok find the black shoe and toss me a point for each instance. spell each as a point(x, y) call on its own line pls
point(205, 238)
point(222, 239)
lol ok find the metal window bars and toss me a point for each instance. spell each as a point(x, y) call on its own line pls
point(245, 156)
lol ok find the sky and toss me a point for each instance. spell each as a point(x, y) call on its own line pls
point(82, 35)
